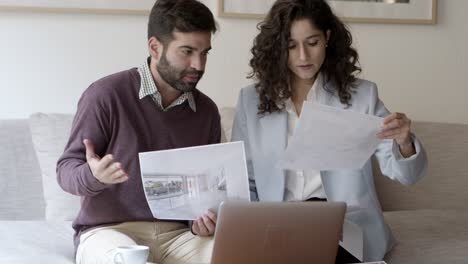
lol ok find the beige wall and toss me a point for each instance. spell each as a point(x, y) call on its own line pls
point(47, 60)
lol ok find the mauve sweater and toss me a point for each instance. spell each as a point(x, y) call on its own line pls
point(117, 122)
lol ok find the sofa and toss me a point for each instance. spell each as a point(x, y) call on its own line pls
point(429, 219)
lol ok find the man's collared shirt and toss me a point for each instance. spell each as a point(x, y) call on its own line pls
point(148, 87)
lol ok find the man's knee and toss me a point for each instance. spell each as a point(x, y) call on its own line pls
point(190, 249)
point(98, 247)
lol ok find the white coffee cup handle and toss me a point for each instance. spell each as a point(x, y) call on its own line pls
point(117, 255)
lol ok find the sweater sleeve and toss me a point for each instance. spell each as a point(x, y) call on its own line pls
point(91, 122)
point(215, 136)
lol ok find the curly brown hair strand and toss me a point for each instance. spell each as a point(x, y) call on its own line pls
point(270, 53)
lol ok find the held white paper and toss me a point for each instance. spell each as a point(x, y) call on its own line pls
point(328, 138)
point(184, 183)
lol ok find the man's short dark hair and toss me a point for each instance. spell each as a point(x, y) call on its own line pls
point(168, 16)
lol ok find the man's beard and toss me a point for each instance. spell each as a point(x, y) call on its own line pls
point(174, 77)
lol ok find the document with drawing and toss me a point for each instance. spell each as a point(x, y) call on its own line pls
point(181, 184)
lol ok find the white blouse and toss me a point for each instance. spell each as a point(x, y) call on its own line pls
point(301, 185)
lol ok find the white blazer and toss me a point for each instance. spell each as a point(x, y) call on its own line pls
point(265, 138)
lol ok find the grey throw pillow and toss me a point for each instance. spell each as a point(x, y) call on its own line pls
point(50, 133)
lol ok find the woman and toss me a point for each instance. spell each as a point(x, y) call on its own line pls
point(303, 52)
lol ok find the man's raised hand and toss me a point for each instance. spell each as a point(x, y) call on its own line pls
point(104, 169)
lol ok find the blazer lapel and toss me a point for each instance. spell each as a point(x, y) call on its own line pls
point(274, 133)
point(272, 143)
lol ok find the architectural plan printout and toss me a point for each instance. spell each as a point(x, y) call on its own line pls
point(184, 183)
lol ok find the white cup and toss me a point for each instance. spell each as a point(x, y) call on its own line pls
point(131, 255)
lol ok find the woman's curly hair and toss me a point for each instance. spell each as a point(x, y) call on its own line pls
point(270, 53)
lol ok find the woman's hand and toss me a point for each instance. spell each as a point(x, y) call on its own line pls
point(397, 126)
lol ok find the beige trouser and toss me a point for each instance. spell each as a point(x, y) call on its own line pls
point(169, 243)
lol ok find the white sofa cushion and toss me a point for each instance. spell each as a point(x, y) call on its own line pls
point(20, 182)
point(50, 133)
point(227, 120)
point(36, 242)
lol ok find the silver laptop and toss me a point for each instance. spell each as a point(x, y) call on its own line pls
point(278, 232)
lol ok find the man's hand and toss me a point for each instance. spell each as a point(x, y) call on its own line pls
point(105, 169)
point(398, 127)
point(204, 225)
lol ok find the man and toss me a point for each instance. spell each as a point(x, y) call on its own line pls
point(153, 107)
